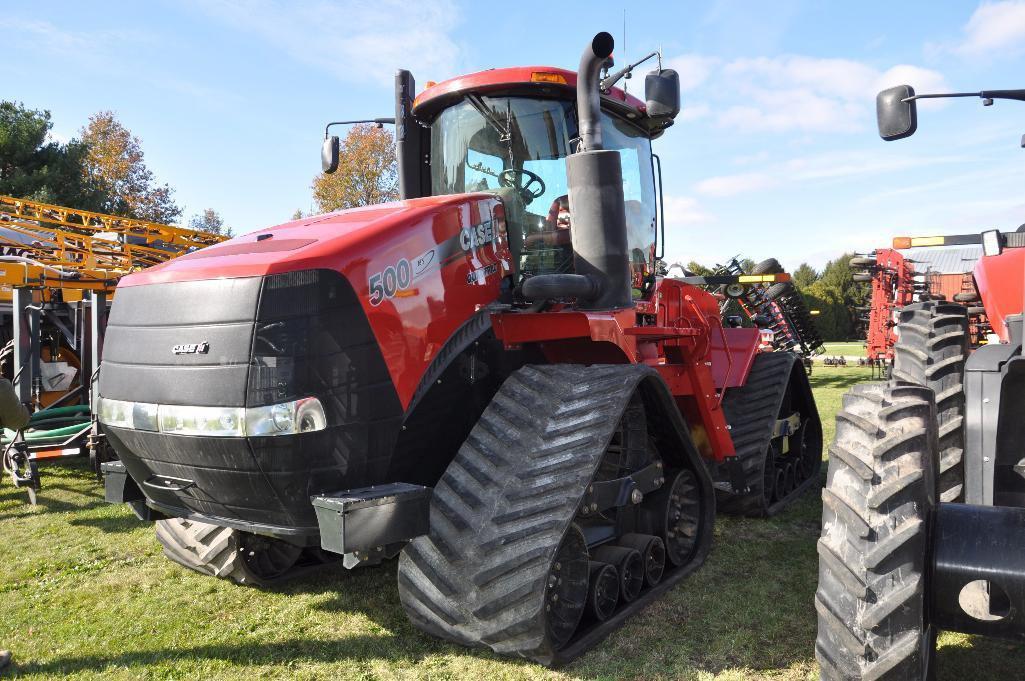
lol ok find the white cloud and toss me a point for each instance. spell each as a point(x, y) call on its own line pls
point(818, 168)
point(694, 69)
point(731, 185)
point(681, 211)
point(994, 26)
point(354, 41)
point(693, 112)
point(799, 93)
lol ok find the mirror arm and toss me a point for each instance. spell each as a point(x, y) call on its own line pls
point(377, 121)
point(1018, 95)
point(608, 81)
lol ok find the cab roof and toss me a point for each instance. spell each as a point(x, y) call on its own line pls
point(523, 80)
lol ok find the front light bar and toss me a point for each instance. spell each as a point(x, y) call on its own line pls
point(288, 418)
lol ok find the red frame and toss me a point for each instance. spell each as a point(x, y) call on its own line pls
point(892, 288)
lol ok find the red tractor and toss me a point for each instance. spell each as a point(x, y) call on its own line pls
point(923, 522)
point(486, 378)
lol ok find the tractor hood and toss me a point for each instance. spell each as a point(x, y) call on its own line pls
point(329, 241)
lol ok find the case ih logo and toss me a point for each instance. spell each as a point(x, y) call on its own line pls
point(191, 348)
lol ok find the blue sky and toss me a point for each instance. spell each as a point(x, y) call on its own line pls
point(774, 154)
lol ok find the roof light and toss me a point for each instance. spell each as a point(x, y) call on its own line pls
point(928, 241)
point(547, 77)
point(902, 242)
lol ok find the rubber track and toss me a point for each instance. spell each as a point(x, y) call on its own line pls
point(872, 553)
point(931, 352)
point(751, 411)
point(500, 511)
point(210, 549)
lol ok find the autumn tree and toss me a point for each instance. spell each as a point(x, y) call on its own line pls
point(367, 171)
point(114, 163)
point(210, 221)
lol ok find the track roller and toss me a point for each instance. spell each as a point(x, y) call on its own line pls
point(630, 566)
point(653, 553)
point(602, 590)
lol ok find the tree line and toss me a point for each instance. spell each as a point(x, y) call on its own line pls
point(103, 169)
point(832, 292)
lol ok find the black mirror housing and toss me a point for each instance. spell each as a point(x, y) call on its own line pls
point(329, 154)
point(662, 92)
point(897, 118)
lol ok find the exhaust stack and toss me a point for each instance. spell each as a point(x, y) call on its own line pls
point(595, 178)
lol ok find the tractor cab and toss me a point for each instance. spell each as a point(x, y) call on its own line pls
point(509, 131)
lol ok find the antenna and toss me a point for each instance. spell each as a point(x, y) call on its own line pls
point(624, 46)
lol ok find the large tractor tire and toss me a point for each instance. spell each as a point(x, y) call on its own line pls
point(769, 266)
point(518, 528)
point(931, 350)
point(227, 553)
point(862, 262)
point(966, 297)
point(861, 276)
point(871, 598)
point(774, 470)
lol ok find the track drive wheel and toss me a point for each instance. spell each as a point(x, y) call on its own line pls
point(931, 350)
point(872, 592)
point(225, 552)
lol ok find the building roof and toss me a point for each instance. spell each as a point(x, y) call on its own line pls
point(944, 259)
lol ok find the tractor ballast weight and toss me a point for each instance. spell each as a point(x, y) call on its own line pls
point(501, 399)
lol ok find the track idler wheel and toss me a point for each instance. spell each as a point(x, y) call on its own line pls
point(673, 514)
point(652, 551)
point(630, 566)
point(602, 590)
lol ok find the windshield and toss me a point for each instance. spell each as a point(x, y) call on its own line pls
point(516, 147)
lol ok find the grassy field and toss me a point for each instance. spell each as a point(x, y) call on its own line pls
point(849, 348)
point(87, 594)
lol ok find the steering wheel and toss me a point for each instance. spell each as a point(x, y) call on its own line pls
point(511, 177)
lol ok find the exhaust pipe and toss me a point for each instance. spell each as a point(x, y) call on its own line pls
point(601, 256)
point(588, 91)
point(595, 178)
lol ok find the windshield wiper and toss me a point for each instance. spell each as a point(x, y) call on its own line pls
point(504, 130)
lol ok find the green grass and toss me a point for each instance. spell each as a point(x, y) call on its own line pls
point(849, 348)
point(87, 594)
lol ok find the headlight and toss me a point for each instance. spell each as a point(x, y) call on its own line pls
point(136, 415)
point(302, 416)
point(212, 421)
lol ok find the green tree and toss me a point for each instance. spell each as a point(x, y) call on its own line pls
point(698, 269)
point(210, 221)
point(805, 275)
point(37, 168)
point(298, 214)
point(367, 171)
point(835, 295)
point(114, 163)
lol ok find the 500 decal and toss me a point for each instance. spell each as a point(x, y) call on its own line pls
point(391, 280)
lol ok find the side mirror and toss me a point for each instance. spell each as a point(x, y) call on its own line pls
point(897, 118)
point(662, 92)
point(329, 154)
